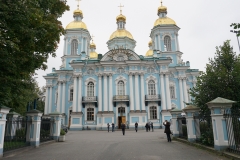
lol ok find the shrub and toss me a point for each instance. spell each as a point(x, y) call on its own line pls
point(62, 132)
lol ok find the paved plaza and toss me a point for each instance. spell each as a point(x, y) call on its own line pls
point(101, 145)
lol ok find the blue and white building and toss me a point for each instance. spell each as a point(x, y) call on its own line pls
point(92, 89)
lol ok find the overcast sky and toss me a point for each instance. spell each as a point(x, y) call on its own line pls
point(204, 25)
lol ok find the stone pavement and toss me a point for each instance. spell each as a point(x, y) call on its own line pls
point(101, 145)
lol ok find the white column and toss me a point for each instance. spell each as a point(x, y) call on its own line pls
point(142, 92)
point(50, 100)
point(74, 94)
point(100, 92)
point(185, 90)
point(131, 92)
point(59, 97)
point(155, 44)
point(178, 43)
point(159, 43)
point(63, 97)
point(137, 92)
point(46, 101)
point(168, 92)
point(181, 92)
point(86, 51)
point(81, 45)
point(64, 49)
point(110, 93)
point(80, 93)
point(162, 93)
point(105, 93)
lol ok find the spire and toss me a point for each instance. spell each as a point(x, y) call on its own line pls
point(162, 9)
point(120, 8)
point(78, 13)
point(78, 4)
point(121, 19)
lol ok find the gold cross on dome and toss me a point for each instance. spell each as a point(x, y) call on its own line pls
point(92, 37)
point(161, 2)
point(78, 3)
point(120, 8)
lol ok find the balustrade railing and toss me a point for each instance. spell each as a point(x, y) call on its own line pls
point(120, 98)
point(155, 97)
point(89, 98)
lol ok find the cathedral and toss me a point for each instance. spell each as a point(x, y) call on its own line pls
point(120, 86)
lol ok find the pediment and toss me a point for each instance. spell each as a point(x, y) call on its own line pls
point(120, 54)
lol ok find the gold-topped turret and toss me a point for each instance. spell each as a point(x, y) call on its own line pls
point(121, 17)
point(150, 51)
point(93, 54)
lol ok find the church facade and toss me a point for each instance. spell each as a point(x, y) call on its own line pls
point(121, 86)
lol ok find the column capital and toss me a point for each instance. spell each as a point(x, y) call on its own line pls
point(142, 74)
point(130, 73)
point(49, 86)
point(110, 75)
point(75, 76)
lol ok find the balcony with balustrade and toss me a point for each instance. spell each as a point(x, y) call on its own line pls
point(153, 98)
point(120, 98)
point(89, 99)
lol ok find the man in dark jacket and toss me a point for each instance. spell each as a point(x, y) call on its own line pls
point(136, 126)
point(113, 127)
point(146, 126)
point(152, 126)
point(108, 125)
point(167, 130)
point(123, 126)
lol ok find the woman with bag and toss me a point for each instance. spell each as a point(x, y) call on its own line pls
point(167, 130)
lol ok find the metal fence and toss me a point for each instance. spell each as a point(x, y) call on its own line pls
point(46, 129)
point(204, 131)
point(232, 117)
point(15, 133)
point(182, 127)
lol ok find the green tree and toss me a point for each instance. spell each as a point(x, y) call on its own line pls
point(221, 79)
point(29, 33)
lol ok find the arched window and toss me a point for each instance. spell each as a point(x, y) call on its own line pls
point(121, 110)
point(151, 88)
point(120, 70)
point(167, 43)
point(71, 94)
point(172, 92)
point(153, 112)
point(74, 48)
point(90, 89)
point(121, 88)
point(90, 114)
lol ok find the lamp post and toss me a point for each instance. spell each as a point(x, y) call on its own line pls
point(237, 38)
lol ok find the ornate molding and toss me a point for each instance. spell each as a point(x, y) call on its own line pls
point(90, 80)
point(151, 78)
point(120, 78)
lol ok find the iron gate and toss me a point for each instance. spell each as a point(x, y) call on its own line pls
point(46, 129)
point(232, 117)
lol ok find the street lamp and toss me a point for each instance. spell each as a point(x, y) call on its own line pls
point(237, 37)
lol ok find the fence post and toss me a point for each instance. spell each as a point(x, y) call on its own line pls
point(190, 111)
point(12, 125)
point(175, 126)
point(3, 112)
point(33, 127)
point(55, 125)
point(217, 107)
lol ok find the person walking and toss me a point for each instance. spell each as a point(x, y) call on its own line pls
point(108, 125)
point(136, 126)
point(113, 127)
point(167, 130)
point(152, 126)
point(149, 125)
point(146, 126)
point(123, 126)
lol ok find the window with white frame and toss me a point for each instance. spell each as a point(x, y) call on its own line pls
point(74, 47)
point(71, 94)
point(90, 89)
point(121, 88)
point(120, 70)
point(150, 70)
point(90, 114)
point(172, 92)
point(153, 112)
point(167, 43)
point(151, 88)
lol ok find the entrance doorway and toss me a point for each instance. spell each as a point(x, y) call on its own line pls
point(121, 119)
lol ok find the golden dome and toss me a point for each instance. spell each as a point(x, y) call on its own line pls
point(164, 21)
point(93, 55)
point(162, 9)
point(77, 12)
point(121, 17)
point(76, 25)
point(121, 33)
point(149, 53)
point(150, 43)
point(92, 45)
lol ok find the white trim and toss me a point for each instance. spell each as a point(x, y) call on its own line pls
point(69, 91)
point(90, 79)
point(90, 105)
point(150, 104)
point(155, 80)
point(121, 78)
point(172, 84)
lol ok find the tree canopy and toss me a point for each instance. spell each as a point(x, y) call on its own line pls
point(236, 26)
point(221, 79)
point(29, 33)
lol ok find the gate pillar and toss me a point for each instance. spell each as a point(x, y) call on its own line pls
point(3, 112)
point(217, 107)
point(191, 111)
point(175, 125)
point(55, 125)
point(33, 127)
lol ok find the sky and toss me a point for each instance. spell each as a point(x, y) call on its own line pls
point(204, 25)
